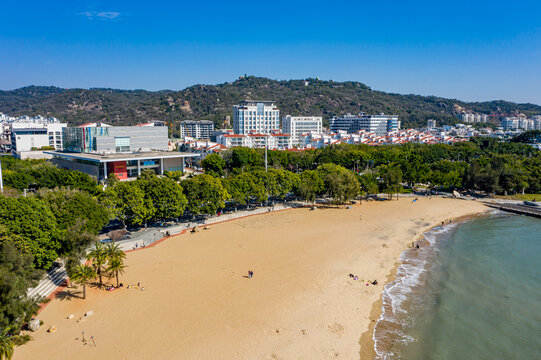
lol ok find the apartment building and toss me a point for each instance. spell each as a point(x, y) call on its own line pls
point(378, 124)
point(298, 125)
point(200, 130)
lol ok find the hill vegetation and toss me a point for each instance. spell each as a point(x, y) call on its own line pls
point(295, 97)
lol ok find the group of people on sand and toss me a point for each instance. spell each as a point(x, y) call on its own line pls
point(131, 286)
point(250, 274)
point(355, 277)
point(112, 287)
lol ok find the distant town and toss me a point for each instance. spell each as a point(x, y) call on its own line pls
point(100, 149)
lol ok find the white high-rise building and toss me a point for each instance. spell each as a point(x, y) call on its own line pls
point(298, 125)
point(255, 117)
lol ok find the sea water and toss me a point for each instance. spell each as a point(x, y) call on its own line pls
point(472, 291)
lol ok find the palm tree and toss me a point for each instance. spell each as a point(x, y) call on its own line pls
point(113, 251)
point(6, 346)
point(98, 256)
point(81, 275)
point(116, 266)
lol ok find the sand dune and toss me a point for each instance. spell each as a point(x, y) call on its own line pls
point(198, 304)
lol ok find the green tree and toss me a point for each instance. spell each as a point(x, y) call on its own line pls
point(82, 275)
point(113, 251)
point(6, 346)
point(127, 202)
point(74, 244)
point(17, 274)
point(368, 183)
point(391, 178)
point(98, 255)
point(242, 157)
point(34, 224)
point(311, 184)
point(340, 184)
point(69, 206)
point(166, 196)
point(205, 194)
point(116, 266)
point(214, 165)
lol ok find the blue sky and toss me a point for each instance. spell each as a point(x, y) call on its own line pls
point(470, 50)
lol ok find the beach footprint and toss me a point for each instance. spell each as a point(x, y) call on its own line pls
point(336, 328)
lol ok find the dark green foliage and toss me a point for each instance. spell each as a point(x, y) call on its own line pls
point(126, 201)
point(214, 165)
point(205, 194)
point(32, 221)
point(25, 174)
point(529, 136)
point(17, 274)
point(310, 185)
point(340, 184)
point(69, 206)
point(165, 194)
point(391, 179)
point(319, 98)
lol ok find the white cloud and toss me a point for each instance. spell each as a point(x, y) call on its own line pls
point(101, 15)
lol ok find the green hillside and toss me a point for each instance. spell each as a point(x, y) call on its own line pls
point(214, 102)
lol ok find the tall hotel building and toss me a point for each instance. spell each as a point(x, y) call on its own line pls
point(255, 116)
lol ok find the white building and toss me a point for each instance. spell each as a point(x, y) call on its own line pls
point(27, 136)
point(255, 116)
point(200, 130)
point(431, 124)
point(298, 125)
point(378, 124)
point(255, 140)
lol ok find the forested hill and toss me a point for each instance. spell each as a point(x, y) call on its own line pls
point(294, 97)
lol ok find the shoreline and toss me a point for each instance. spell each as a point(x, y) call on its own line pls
point(367, 340)
point(300, 302)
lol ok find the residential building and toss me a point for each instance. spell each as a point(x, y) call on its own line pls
point(298, 125)
point(431, 124)
point(255, 116)
point(274, 140)
point(200, 130)
point(378, 124)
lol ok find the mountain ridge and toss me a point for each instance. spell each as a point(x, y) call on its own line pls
point(310, 97)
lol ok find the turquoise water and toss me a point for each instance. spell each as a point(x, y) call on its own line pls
point(473, 291)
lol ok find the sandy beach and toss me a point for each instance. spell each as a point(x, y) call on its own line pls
point(198, 303)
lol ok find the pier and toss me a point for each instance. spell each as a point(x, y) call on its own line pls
point(516, 208)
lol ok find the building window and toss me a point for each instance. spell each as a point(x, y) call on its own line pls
point(122, 144)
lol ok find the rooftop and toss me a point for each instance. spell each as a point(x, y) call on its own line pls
point(148, 155)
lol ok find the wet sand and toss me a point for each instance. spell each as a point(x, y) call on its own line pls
point(198, 303)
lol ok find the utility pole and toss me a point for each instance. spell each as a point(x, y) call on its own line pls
point(266, 143)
